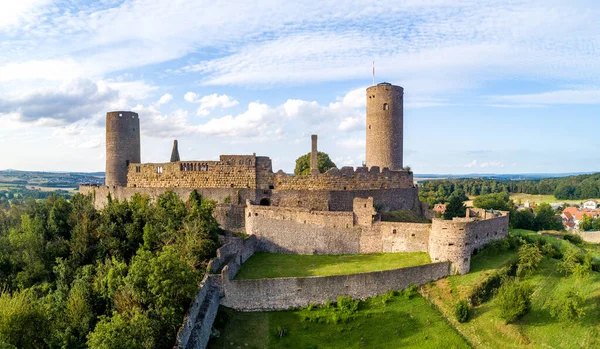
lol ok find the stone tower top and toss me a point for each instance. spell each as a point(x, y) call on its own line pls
point(385, 122)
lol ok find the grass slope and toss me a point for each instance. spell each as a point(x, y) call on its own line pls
point(537, 329)
point(269, 265)
point(399, 323)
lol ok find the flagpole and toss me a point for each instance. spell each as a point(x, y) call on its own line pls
point(373, 73)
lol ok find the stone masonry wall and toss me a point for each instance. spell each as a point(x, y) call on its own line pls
point(230, 217)
point(455, 240)
point(404, 237)
point(198, 322)
point(590, 236)
point(298, 230)
point(283, 293)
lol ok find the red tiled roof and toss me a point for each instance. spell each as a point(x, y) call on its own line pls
point(580, 215)
point(439, 208)
point(571, 210)
point(568, 215)
point(570, 224)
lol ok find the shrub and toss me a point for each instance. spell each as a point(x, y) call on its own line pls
point(530, 257)
point(574, 239)
point(569, 307)
point(461, 311)
point(410, 291)
point(485, 289)
point(347, 305)
point(576, 263)
point(280, 332)
point(387, 297)
point(513, 300)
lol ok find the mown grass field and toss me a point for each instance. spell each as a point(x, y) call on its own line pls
point(539, 199)
point(270, 265)
point(399, 323)
point(537, 329)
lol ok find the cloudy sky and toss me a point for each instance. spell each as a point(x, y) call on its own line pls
point(490, 86)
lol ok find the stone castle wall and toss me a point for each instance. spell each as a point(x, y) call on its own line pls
point(303, 231)
point(455, 240)
point(385, 126)
point(122, 145)
point(284, 293)
point(231, 171)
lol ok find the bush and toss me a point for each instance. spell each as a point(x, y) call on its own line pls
point(530, 257)
point(485, 289)
point(410, 291)
point(569, 307)
point(576, 263)
point(513, 300)
point(574, 239)
point(347, 305)
point(387, 297)
point(461, 311)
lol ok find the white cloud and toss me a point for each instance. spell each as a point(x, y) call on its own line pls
point(15, 12)
point(191, 97)
point(549, 98)
point(471, 164)
point(166, 98)
point(210, 102)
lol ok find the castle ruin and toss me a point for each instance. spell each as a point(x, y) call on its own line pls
point(328, 213)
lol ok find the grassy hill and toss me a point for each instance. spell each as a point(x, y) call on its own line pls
point(429, 322)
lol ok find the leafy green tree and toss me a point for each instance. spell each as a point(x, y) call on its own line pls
point(496, 201)
point(23, 320)
point(546, 218)
point(523, 219)
point(455, 207)
point(303, 164)
point(530, 257)
point(586, 223)
point(513, 300)
point(123, 331)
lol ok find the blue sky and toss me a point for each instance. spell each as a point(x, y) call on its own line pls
point(490, 86)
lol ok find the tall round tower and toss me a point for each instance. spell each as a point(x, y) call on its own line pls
point(122, 145)
point(385, 124)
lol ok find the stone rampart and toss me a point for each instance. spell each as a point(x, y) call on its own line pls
point(455, 240)
point(285, 293)
point(346, 178)
point(198, 322)
point(404, 237)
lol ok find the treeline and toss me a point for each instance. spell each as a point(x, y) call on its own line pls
point(17, 195)
point(122, 277)
point(566, 188)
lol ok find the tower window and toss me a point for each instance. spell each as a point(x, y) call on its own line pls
point(386, 106)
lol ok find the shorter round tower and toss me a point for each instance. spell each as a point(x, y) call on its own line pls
point(385, 122)
point(122, 145)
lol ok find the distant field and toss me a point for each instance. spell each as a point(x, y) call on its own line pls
point(270, 265)
point(538, 199)
point(537, 329)
point(399, 323)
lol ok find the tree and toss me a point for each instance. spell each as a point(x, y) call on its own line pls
point(514, 300)
point(303, 164)
point(523, 219)
point(23, 322)
point(123, 331)
point(496, 201)
point(455, 207)
point(586, 223)
point(546, 218)
point(530, 257)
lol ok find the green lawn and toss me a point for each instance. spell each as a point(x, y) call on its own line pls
point(400, 323)
point(270, 265)
point(537, 329)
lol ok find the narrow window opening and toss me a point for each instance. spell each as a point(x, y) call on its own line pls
point(393, 231)
point(386, 106)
